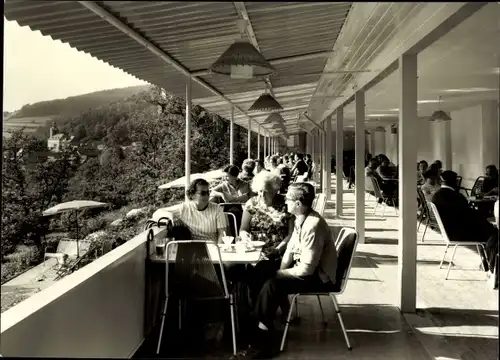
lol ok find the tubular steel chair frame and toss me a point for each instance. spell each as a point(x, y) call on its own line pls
point(235, 223)
point(449, 243)
point(227, 295)
point(427, 215)
point(379, 195)
point(344, 232)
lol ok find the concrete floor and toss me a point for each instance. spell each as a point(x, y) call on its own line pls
point(457, 318)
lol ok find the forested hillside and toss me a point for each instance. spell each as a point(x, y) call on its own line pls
point(124, 177)
point(74, 105)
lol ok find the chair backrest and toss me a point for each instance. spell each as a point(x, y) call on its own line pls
point(459, 183)
point(346, 244)
point(194, 275)
point(435, 213)
point(376, 187)
point(423, 201)
point(319, 203)
point(233, 224)
point(478, 186)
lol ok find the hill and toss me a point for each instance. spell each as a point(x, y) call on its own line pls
point(75, 105)
point(35, 117)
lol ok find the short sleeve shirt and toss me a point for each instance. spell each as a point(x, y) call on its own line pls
point(204, 224)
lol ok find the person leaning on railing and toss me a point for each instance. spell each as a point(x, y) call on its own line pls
point(205, 220)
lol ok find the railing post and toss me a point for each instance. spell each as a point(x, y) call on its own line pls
point(187, 165)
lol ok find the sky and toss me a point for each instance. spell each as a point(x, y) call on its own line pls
point(37, 68)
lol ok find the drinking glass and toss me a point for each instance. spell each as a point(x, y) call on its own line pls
point(160, 244)
point(227, 240)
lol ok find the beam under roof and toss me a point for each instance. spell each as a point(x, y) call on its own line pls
point(120, 25)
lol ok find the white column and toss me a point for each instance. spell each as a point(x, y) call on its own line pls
point(379, 142)
point(408, 127)
point(249, 151)
point(265, 145)
point(359, 128)
point(393, 145)
point(187, 164)
point(339, 155)
point(231, 137)
point(368, 141)
point(320, 160)
point(328, 157)
point(441, 139)
point(258, 143)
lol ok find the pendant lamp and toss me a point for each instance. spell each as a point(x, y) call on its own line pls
point(242, 60)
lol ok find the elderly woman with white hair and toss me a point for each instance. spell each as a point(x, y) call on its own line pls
point(265, 217)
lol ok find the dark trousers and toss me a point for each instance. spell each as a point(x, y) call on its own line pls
point(275, 289)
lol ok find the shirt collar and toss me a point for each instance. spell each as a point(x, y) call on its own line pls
point(299, 220)
point(447, 187)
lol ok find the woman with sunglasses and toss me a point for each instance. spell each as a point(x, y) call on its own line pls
point(205, 220)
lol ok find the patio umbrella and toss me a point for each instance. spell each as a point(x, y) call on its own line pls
point(181, 182)
point(74, 205)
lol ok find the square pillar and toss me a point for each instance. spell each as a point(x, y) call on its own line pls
point(258, 143)
point(359, 146)
point(339, 164)
point(265, 145)
point(231, 137)
point(408, 144)
point(187, 163)
point(249, 150)
point(328, 157)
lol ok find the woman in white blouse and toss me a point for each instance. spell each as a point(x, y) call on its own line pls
point(205, 220)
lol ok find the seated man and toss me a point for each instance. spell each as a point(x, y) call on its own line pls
point(309, 264)
point(490, 184)
point(461, 222)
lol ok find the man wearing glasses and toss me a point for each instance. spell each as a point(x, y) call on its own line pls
point(308, 265)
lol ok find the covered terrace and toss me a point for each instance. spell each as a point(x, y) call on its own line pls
point(338, 65)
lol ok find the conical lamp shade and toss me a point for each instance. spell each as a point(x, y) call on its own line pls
point(265, 102)
point(274, 118)
point(242, 61)
point(439, 115)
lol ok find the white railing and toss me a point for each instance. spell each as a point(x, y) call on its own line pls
point(98, 311)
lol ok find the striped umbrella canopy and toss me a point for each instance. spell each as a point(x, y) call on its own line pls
point(181, 182)
point(74, 205)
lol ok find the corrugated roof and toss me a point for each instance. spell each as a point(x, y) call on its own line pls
point(194, 34)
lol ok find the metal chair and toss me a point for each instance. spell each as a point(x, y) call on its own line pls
point(346, 244)
point(456, 244)
point(476, 188)
point(427, 216)
point(233, 225)
point(379, 195)
point(195, 278)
